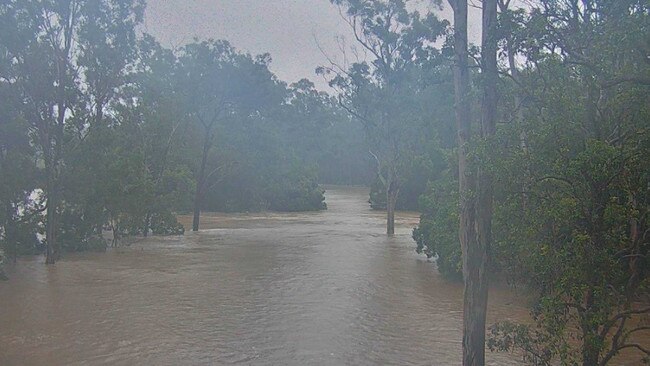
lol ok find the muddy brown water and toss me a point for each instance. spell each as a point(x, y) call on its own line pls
point(322, 288)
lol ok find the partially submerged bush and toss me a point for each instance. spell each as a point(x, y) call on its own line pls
point(77, 234)
point(296, 191)
point(437, 234)
point(165, 223)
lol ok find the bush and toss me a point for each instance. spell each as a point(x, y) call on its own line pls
point(165, 223)
point(76, 234)
point(296, 191)
point(437, 234)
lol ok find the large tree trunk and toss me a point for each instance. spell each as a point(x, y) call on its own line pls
point(392, 192)
point(476, 256)
point(590, 355)
point(475, 295)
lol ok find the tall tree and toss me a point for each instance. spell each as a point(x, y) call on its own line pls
point(18, 170)
point(78, 45)
point(475, 181)
point(222, 85)
point(577, 240)
point(475, 259)
point(472, 254)
point(380, 93)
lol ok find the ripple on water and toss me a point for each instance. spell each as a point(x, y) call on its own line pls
point(324, 288)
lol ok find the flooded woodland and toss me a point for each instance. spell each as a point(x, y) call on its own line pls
point(325, 182)
point(322, 288)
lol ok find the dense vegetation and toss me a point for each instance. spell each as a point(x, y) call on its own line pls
point(103, 129)
point(555, 182)
point(571, 179)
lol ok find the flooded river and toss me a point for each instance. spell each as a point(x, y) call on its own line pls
point(324, 288)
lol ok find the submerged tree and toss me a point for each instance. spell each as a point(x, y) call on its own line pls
point(18, 168)
point(220, 86)
point(381, 93)
point(70, 71)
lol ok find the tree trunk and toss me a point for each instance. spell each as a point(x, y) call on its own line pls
point(197, 211)
point(116, 233)
point(476, 262)
point(53, 200)
point(590, 355)
point(475, 295)
point(200, 182)
point(391, 201)
point(52, 253)
point(54, 147)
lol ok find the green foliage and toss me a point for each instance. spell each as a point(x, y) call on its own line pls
point(123, 154)
point(296, 191)
point(421, 170)
point(506, 336)
point(76, 233)
point(100, 129)
point(571, 182)
point(390, 94)
point(19, 221)
point(572, 197)
point(437, 233)
point(165, 223)
point(262, 158)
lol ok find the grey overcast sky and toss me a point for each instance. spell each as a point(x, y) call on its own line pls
point(292, 31)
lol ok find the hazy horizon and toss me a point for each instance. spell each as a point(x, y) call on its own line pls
point(296, 45)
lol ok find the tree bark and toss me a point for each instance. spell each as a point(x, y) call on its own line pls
point(53, 186)
point(200, 182)
point(10, 234)
point(197, 211)
point(476, 262)
point(391, 202)
point(474, 276)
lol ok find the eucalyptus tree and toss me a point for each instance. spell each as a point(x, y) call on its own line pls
point(18, 170)
point(380, 92)
point(221, 85)
point(577, 239)
point(72, 66)
point(471, 215)
point(161, 129)
point(18, 177)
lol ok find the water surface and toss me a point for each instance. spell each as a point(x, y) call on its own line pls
point(322, 288)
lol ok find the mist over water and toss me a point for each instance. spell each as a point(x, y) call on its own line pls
point(322, 288)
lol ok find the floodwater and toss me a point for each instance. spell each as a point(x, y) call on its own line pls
point(322, 288)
